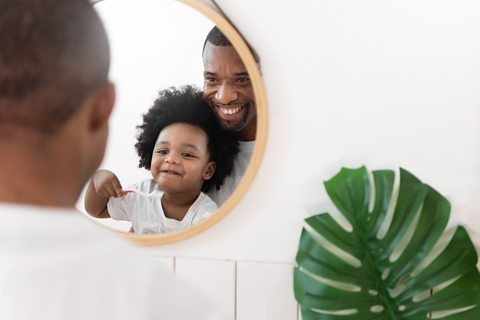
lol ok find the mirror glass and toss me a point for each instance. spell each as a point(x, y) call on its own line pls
point(154, 45)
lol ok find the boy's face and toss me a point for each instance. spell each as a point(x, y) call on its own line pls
point(180, 159)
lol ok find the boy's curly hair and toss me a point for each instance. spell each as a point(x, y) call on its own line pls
point(186, 105)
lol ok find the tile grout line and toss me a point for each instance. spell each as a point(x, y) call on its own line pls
point(226, 259)
point(235, 291)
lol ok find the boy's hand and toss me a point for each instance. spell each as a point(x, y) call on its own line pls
point(106, 184)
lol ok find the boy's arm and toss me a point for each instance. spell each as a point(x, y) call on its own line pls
point(95, 204)
point(103, 185)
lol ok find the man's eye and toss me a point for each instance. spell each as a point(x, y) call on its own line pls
point(243, 81)
point(210, 79)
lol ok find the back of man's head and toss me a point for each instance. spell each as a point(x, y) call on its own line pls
point(52, 55)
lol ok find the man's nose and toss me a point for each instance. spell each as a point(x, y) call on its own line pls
point(226, 93)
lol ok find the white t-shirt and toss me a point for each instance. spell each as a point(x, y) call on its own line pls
point(231, 182)
point(56, 264)
point(146, 212)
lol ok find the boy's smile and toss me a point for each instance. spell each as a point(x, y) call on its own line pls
point(180, 159)
point(170, 172)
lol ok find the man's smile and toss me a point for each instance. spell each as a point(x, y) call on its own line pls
point(230, 112)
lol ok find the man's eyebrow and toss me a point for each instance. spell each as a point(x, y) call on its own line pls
point(208, 73)
point(242, 74)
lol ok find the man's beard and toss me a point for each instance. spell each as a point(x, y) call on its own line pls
point(237, 126)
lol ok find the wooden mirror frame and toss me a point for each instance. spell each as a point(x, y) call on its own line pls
point(261, 135)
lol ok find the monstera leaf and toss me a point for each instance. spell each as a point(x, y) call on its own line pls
point(390, 264)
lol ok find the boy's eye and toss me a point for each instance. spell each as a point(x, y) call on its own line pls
point(188, 155)
point(162, 152)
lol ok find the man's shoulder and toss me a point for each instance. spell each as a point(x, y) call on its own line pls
point(51, 226)
point(205, 202)
point(64, 254)
point(246, 146)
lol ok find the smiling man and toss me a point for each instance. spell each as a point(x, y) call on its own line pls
point(55, 103)
point(228, 90)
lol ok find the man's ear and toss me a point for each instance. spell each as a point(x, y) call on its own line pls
point(101, 105)
point(210, 170)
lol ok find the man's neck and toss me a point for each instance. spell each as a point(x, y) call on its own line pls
point(29, 179)
point(249, 133)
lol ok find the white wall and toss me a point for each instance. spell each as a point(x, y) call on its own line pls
point(381, 83)
point(154, 45)
point(377, 82)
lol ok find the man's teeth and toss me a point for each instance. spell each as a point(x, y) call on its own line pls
point(230, 110)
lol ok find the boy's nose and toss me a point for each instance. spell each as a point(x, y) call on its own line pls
point(172, 160)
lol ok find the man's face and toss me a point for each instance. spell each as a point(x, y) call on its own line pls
point(229, 91)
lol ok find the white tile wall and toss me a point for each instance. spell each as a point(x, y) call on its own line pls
point(215, 278)
point(245, 290)
point(265, 291)
point(168, 263)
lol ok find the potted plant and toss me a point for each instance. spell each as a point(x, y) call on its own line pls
point(389, 263)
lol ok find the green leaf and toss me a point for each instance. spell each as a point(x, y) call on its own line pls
point(389, 266)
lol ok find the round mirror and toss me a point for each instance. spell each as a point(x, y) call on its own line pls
point(156, 45)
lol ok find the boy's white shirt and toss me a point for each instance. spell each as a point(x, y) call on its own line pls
point(56, 265)
point(146, 213)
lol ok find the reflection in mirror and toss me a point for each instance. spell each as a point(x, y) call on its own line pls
point(152, 50)
point(187, 153)
point(154, 44)
point(228, 88)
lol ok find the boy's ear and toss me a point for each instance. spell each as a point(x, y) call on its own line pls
point(101, 105)
point(210, 170)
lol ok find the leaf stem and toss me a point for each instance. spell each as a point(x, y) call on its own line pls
point(371, 267)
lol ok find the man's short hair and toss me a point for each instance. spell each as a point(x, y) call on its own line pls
point(52, 55)
point(217, 38)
